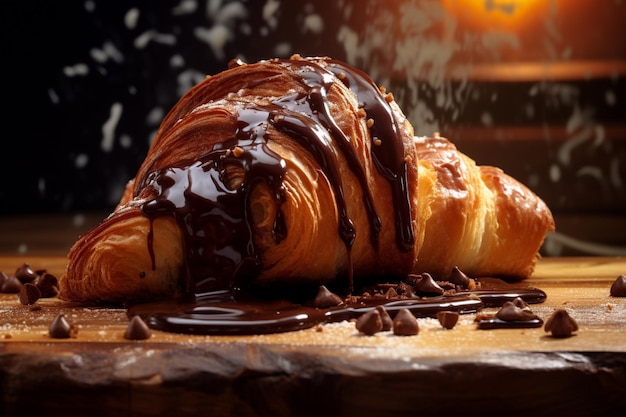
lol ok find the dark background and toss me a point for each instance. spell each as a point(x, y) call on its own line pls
point(457, 67)
point(54, 159)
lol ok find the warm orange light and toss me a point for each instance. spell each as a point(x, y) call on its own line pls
point(500, 14)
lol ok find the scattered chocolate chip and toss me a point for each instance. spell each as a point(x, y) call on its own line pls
point(370, 323)
point(561, 324)
point(48, 285)
point(459, 278)
point(25, 274)
point(448, 319)
point(405, 290)
point(3, 277)
point(325, 298)
point(405, 323)
point(60, 328)
point(618, 288)
point(29, 294)
point(11, 285)
point(511, 312)
point(385, 317)
point(519, 302)
point(137, 329)
point(426, 285)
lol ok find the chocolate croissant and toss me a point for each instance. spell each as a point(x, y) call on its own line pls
point(297, 172)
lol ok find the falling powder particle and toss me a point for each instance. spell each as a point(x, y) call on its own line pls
point(283, 49)
point(153, 36)
point(108, 128)
point(76, 70)
point(78, 220)
point(154, 116)
point(81, 160)
point(610, 98)
point(313, 23)
point(41, 185)
point(555, 173)
point(185, 7)
point(108, 51)
point(270, 10)
point(90, 6)
point(216, 37)
point(131, 17)
point(54, 97)
point(188, 79)
point(126, 141)
point(177, 61)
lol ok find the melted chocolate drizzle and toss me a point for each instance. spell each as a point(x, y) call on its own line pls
point(219, 248)
point(215, 218)
point(389, 154)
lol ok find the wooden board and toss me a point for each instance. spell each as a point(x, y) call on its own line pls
point(330, 369)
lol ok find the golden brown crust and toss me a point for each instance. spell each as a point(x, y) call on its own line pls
point(475, 217)
point(112, 262)
point(479, 219)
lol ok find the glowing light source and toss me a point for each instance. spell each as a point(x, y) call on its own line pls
point(497, 13)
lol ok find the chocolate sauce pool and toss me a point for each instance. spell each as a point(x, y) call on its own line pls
point(220, 313)
point(215, 218)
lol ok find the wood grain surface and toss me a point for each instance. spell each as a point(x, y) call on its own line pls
point(330, 369)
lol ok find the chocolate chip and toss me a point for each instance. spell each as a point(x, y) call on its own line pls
point(325, 298)
point(370, 323)
point(459, 278)
point(60, 328)
point(561, 324)
point(448, 319)
point(25, 274)
point(519, 302)
point(48, 285)
point(426, 285)
point(3, 277)
point(510, 312)
point(405, 323)
point(618, 288)
point(385, 317)
point(137, 329)
point(11, 285)
point(29, 294)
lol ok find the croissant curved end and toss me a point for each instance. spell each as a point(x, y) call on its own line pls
point(300, 171)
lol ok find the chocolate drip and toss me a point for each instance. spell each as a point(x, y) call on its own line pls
point(214, 214)
point(317, 141)
point(389, 154)
point(319, 81)
point(215, 220)
point(217, 239)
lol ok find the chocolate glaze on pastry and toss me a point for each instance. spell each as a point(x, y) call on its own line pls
point(288, 175)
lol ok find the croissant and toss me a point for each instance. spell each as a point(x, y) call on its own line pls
point(300, 172)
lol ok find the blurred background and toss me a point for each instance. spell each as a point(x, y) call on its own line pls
point(536, 87)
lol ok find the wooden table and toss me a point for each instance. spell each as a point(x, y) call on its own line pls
point(329, 370)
